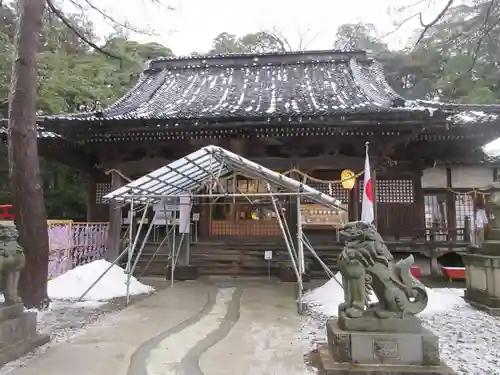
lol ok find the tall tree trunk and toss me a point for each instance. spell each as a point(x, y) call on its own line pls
point(24, 169)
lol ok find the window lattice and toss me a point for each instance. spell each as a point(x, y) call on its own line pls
point(436, 216)
point(464, 207)
point(334, 190)
point(392, 191)
point(101, 189)
point(496, 174)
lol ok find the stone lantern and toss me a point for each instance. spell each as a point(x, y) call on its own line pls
point(483, 264)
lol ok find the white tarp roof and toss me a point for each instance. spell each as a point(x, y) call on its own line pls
point(198, 169)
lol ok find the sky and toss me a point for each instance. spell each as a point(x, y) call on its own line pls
point(193, 24)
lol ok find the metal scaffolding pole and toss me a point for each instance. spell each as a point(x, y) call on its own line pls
point(327, 270)
point(287, 240)
point(165, 239)
point(143, 244)
point(118, 258)
point(132, 249)
point(300, 245)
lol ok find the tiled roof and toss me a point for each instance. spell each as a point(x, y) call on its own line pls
point(313, 83)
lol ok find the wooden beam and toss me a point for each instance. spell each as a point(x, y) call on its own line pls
point(419, 197)
point(115, 221)
point(374, 195)
point(354, 202)
point(91, 199)
point(326, 162)
point(450, 202)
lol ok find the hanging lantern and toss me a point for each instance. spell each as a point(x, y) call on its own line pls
point(347, 178)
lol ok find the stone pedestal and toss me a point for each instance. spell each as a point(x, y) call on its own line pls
point(378, 352)
point(483, 278)
point(482, 265)
point(18, 334)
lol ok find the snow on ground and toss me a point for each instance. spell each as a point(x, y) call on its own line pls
point(72, 284)
point(272, 344)
point(469, 339)
point(63, 320)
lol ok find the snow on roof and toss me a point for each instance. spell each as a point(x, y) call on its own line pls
point(197, 170)
point(463, 113)
point(252, 86)
point(473, 116)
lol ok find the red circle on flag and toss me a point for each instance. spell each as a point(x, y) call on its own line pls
point(368, 190)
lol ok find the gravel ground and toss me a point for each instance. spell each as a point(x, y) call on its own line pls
point(469, 340)
point(64, 320)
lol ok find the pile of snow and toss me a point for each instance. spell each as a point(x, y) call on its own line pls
point(72, 284)
point(326, 299)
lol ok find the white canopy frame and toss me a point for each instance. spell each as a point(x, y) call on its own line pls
point(196, 176)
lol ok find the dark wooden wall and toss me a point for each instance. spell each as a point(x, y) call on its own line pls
point(399, 197)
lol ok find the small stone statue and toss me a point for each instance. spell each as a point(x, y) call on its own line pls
point(12, 261)
point(365, 265)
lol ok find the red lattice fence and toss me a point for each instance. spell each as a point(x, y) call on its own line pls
point(73, 244)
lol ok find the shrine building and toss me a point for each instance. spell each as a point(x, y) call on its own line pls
point(309, 111)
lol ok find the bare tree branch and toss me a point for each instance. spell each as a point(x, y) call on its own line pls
point(303, 43)
point(427, 26)
point(399, 25)
point(484, 34)
point(79, 34)
point(279, 38)
point(106, 16)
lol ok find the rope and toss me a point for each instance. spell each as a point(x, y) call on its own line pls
point(473, 191)
point(306, 177)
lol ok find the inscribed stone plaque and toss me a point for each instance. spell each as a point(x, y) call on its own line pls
point(385, 349)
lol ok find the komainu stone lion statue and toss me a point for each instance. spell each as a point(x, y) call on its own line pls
point(367, 265)
point(12, 261)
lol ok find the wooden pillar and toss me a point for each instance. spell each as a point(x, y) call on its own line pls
point(374, 195)
point(91, 199)
point(236, 145)
point(354, 202)
point(450, 206)
point(205, 218)
point(418, 196)
point(115, 221)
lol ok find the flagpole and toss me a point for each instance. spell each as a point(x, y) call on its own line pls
point(374, 185)
point(367, 147)
point(367, 209)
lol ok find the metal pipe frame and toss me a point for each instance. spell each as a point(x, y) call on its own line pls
point(287, 243)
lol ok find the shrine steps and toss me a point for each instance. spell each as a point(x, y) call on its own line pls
point(245, 257)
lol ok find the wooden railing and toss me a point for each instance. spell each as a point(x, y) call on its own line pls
point(435, 233)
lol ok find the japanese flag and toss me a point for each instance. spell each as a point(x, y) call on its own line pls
point(367, 214)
